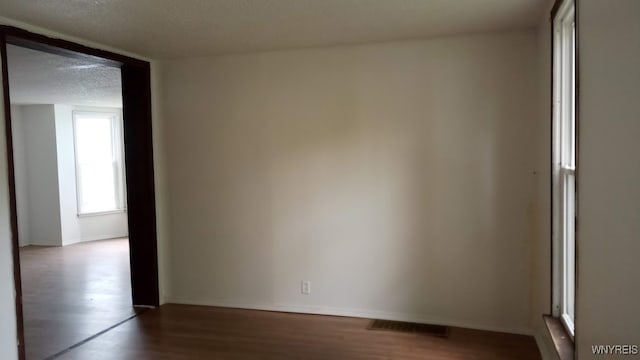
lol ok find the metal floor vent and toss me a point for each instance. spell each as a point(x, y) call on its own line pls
point(401, 326)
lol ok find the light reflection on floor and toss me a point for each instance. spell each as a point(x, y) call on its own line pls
point(71, 293)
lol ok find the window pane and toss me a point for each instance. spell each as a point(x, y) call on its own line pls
point(564, 164)
point(572, 118)
point(97, 173)
point(569, 243)
point(93, 139)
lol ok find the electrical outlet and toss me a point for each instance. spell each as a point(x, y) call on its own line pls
point(306, 287)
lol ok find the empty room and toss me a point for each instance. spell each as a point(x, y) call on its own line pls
point(341, 179)
point(70, 199)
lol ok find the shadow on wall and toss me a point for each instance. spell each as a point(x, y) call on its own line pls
point(394, 177)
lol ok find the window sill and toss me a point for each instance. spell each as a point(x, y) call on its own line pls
point(561, 340)
point(100, 213)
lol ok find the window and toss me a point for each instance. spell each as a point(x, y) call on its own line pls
point(564, 165)
point(99, 165)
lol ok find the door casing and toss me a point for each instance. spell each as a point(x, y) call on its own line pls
point(138, 153)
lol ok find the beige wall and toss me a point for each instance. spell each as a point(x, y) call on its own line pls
point(41, 165)
point(609, 175)
point(8, 333)
point(20, 173)
point(160, 177)
point(541, 206)
point(395, 177)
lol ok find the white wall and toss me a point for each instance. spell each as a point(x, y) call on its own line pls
point(20, 173)
point(66, 174)
point(43, 177)
point(608, 175)
point(38, 125)
point(8, 333)
point(395, 177)
point(161, 181)
point(79, 229)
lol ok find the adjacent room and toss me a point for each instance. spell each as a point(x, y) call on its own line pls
point(335, 179)
point(70, 197)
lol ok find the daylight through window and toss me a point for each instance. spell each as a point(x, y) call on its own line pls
point(564, 165)
point(99, 165)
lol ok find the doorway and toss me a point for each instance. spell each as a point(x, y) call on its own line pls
point(138, 163)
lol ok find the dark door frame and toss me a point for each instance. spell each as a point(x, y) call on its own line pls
point(138, 152)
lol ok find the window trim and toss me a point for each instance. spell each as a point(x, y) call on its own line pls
point(563, 11)
point(100, 213)
point(115, 115)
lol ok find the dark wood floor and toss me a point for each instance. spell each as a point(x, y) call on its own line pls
point(74, 292)
point(71, 293)
point(193, 332)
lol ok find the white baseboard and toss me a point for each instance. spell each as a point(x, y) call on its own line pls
point(358, 313)
point(95, 238)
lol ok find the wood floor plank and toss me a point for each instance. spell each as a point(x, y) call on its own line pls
point(71, 293)
point(196, 332)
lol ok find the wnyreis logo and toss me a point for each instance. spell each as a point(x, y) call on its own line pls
point(614, 349)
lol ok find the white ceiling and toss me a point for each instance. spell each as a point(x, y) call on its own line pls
point(188, 28)
point(37, 77)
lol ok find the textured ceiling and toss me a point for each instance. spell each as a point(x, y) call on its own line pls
point(37, 77)
point(188, 28)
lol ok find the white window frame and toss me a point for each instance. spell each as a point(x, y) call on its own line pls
point(564, 166)
point(118, 159)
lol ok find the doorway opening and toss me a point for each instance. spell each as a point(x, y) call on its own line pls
point(70, 198)
point(81, 183)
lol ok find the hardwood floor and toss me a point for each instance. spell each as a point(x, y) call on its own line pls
point(74, 292)
point(195, 332)
point(71, 293)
